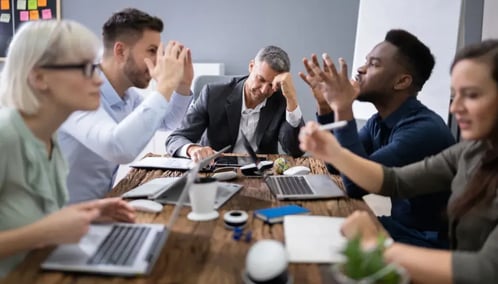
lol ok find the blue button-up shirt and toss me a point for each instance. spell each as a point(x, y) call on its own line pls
point(407, 135)
point(94, 143)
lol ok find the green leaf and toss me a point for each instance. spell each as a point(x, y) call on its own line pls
point(362, 264)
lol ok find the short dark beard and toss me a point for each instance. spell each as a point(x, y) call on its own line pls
point(133, 74)
point(370, 97)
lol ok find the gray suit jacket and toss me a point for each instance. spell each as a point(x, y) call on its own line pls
point(214, 120)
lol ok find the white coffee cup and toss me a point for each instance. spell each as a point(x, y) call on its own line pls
point(202, 195)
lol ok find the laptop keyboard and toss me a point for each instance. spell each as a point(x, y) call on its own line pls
point(121, 246)
point(293, 185)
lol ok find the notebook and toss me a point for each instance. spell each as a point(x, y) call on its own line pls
point(274, 215)
point(314, 239)
point(298, 187)
point(120, 248)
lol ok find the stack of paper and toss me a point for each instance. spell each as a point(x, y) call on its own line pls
point(314, 239)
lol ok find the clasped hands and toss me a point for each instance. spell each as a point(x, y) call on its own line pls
point(173, 69)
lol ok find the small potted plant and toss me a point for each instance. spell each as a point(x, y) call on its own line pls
point(367, 266)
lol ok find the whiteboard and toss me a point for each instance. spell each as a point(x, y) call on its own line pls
point(434, 22)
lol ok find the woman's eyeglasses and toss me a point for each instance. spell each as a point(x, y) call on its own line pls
point(88, 69)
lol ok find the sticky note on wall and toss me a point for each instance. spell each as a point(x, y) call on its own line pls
point(5, 4)
point(34, 15)
point(46, 14)
point(32, 4)
point(21, 4)
point(42, 3)
point(5, 18)
point(24, 16)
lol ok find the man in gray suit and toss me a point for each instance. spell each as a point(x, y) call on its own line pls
point(262, 105)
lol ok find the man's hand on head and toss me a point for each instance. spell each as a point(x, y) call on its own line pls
point(284, 82)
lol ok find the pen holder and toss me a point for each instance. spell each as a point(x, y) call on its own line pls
point(235, 219)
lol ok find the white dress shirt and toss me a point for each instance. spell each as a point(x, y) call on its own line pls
point(94, 143)
point(249, 118)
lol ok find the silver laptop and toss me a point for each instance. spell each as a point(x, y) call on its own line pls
point(120, 248)
point(303, 187)
point(167, 191)
point(297, 187)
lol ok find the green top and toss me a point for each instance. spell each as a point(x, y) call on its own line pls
point(474, 236)
point(32, 185)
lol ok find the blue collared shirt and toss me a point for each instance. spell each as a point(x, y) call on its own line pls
point(408, 135)
point(94, 143)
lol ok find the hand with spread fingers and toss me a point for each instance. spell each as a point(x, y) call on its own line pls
point(286, 84)
point(316, 87)
point(188, 75)
point(168, 70)
point(333, 85)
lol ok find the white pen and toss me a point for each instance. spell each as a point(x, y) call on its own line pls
point(334, 125)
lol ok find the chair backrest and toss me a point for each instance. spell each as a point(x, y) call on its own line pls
point(202, 80)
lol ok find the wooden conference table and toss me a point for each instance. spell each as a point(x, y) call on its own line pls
point(204, 252)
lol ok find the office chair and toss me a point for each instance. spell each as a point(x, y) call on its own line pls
point(202, 80)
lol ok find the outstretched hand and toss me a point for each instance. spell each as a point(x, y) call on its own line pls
point(320, 143)
point(316, 87)
point(330, 85)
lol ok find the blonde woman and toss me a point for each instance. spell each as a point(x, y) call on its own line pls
point(49, 73)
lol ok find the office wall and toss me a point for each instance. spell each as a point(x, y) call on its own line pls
point(232, 31)
point(490, 20)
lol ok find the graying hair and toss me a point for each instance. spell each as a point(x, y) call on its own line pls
point(276, 57)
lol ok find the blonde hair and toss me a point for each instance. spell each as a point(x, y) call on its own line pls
point(41, 43)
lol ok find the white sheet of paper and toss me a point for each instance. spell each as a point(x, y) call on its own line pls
point(314, 239)
point(163, 163)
